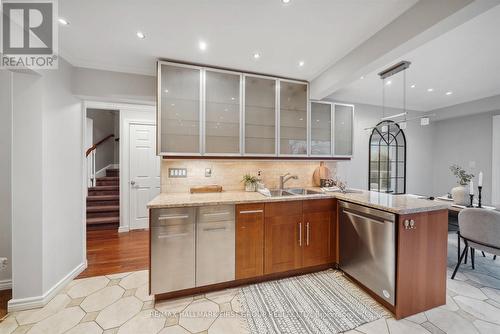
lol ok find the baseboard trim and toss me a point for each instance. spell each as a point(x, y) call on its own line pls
point(5, 284)
point(122, 229)
point(21, 304)
point(102, 172)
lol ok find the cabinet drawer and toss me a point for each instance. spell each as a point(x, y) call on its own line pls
point(289, 208)
point(216, 213)
point(172, 216)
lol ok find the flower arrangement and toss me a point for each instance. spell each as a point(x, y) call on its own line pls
point(461, 175)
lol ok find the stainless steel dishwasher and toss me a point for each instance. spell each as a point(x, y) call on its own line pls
point(215, 244)
point(368, 248)
point(172, 249)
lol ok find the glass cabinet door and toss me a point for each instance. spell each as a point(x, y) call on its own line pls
point(321, 128)
point(343, 121)
point(222, 112)
point(179, 109)
point(293, 118)
point(260, 116)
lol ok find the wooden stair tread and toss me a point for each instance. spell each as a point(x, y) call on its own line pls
point(103, 208)
point(103, 220)
point(105, 188)
point(108, 178)
point(103, 198)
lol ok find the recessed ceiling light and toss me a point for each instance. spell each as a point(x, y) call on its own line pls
point(166, 90)
point(362, 77)
point(430, 89)
point(63, 21)
point(301, 63)
point(285, 1)
point(256, 55)
point(412, 86)
point(388, 82)
point(140, 35)
point(449, 93)
point(202, 45)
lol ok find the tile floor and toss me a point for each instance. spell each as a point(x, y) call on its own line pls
point(119, 303)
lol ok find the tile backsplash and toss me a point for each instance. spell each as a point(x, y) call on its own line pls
point(228, 173)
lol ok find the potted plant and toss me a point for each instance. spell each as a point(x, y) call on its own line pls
point(250, 182)
point(459, 193)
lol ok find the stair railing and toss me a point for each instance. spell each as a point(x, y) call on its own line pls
point(90, 155)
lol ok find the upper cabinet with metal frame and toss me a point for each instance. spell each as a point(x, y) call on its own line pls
point(210, 112)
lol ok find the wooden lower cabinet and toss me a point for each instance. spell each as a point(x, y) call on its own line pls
point(249, 240)
point(316, 247)
point(297, 234)
point(421, 262)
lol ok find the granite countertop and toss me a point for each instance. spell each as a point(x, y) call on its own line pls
point(398, 204)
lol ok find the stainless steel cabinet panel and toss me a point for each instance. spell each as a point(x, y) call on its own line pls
point(215, 244)
point(172, 249)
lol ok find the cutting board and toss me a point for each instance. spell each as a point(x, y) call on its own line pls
point(321, 172)
point(211, 188)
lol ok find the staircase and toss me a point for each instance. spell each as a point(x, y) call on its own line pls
point(103, 201)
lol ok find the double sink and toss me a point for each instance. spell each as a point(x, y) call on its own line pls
point(293, 192)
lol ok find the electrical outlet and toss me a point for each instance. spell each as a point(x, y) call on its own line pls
point(208, 172)
point(177, 172)
point(3, 263)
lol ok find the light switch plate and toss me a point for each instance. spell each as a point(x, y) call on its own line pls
point(177, 172)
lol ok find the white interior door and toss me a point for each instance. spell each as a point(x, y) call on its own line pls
point(144, 173)
point(89, 133)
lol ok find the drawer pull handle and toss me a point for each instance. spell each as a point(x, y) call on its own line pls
point(212, 229)
point(168, 236)
point(251, 211)
point(216, 214)
point(173, 217)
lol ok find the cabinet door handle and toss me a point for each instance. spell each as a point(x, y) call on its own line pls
point(307, 234)
point(300, 234)
point(251, 211)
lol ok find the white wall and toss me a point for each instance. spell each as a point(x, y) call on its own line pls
point(466, 141)
point(27, 190)
point(110, 86)
point(495, 191)
point(62, 178)
point(47, 180)
point(419, 151)
point(5, 181)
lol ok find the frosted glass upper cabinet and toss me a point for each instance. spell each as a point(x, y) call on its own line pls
point(343, 129)
point(321, 128)
point(179, 106)
point(260, 116)
point(293, 118)
point(222, 112)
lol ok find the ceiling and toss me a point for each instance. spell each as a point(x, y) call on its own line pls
point(464, 61)
point(102, 34)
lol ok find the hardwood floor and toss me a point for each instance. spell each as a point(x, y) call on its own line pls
point(110, 252)
point(5, 296)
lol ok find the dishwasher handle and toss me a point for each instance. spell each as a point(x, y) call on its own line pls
point(373, 220)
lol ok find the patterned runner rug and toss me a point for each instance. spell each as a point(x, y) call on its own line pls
point(324, 302)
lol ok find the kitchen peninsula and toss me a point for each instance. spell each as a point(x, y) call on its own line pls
point(393, 246)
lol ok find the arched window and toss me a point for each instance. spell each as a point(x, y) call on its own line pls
point(387, 169)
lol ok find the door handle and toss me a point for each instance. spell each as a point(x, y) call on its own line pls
point(132, 183)
point(307, 234)
point(300, 234)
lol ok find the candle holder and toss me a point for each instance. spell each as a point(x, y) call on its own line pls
point(480, 188)
point(471, 205)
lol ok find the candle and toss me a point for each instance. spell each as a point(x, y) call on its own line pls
point(471, 187)
point(480, 183)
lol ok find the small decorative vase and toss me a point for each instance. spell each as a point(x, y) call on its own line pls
point(459, 195)
point(250, 186)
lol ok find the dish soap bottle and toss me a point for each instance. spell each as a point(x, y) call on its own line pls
point(260, 183)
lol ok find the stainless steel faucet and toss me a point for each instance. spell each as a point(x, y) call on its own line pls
point(285, 178)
